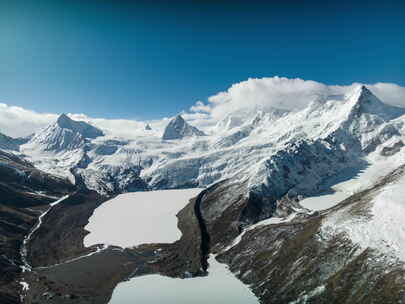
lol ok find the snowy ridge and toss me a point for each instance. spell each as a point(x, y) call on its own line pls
point(382, 229)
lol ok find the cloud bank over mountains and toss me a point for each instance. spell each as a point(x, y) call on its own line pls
point(288, 94)
point(241, 98)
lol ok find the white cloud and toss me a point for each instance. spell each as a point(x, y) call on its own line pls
point(125, 128)
point(283, 93)
point(200, 107)
point(390, 93)
point(17, 121)
point(265, 93)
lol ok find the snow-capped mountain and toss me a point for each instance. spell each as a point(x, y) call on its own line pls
point(178, 128)
point(270, 151)
point(65, 134)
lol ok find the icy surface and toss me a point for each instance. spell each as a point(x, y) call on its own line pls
point(136, 218)
point(220, 286)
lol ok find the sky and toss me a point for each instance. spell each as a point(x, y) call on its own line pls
point(150, 59)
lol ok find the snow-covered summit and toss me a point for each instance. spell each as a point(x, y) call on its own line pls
point(81, 127)
point(178, 128)
point(63, 135)
point(365, 102)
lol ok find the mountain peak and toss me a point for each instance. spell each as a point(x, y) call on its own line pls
point(63, 135)
point(365, 90)
point(365, 102)
point(81, 127)
point(64, 121)
point(178, 128)
point(366, 96)
point(179, 118)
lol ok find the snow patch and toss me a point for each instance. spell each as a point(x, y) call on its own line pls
point(304, 298)
point(269, 221)
point(25, 286)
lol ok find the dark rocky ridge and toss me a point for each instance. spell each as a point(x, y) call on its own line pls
point(24, 192)
point(8, 143)
point(60, 236)
point(15, 223)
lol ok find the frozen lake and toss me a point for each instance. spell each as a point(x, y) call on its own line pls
point(150, 217)
point(219, 287)
point(137, 218)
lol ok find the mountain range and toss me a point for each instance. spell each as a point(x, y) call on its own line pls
point(261, 171)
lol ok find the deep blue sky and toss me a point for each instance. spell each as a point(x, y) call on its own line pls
point(148, 59)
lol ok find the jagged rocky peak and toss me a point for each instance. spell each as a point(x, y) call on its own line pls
point(367, 103)
point(178, 128)
point(148, 127)
point(85, 129)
